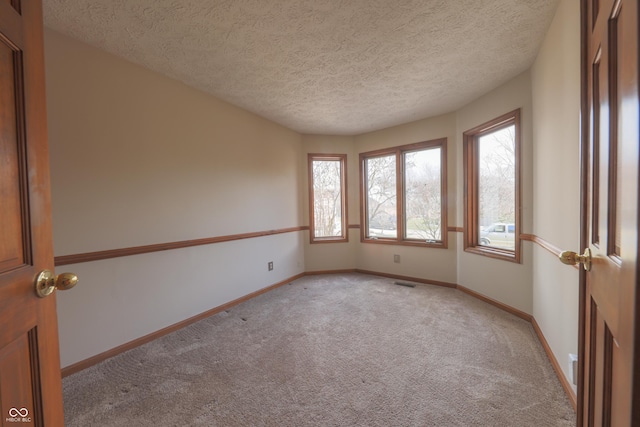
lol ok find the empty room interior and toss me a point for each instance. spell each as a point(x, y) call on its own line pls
point(184, 140)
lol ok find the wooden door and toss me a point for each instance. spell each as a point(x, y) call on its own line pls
point(30, 384)
point(609, 386)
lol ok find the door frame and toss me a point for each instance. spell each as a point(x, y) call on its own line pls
point(584, 205)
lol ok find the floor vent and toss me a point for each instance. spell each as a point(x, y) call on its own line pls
point(408, 285)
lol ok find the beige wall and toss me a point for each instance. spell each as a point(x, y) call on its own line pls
point(430, 264)
point(504, 281)
point(555, 78)
point(140, 159)
point(423, 263)
point(331, 256)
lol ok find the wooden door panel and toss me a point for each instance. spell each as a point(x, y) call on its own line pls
point(606, 297)
point(15, 4)
point(16, 362)
point(598, 360)
point(30, 383)
point(620, 394)
point(12, 233)
point(600, 365)
point(613, 249)
point(594, 161)
point(18, 319)
point(610, 220)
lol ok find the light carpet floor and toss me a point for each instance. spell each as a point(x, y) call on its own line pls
point(332, 350)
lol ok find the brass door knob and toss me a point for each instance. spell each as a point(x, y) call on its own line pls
point(47, 282)
point(572, 258)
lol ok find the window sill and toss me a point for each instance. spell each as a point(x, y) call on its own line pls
point(329, 240)
point(501, 254)
point(382, 241)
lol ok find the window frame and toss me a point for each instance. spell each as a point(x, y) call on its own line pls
point(471, 227)
point(342, 158)
point(399, 152)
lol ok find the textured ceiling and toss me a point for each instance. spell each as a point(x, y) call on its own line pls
point(335, 67)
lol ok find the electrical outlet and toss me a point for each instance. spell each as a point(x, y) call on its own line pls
point(573, 368)
point(270, 265)
point(396, 258)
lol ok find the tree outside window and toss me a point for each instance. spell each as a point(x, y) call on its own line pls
point(492, 188)
point(403, 193)
point(423, 195)
point(381, 196)
point(327, 195)
point(497, 188)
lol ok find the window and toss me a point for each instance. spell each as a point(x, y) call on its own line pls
point(404, 194)
point(492, 188)
point(327, 197)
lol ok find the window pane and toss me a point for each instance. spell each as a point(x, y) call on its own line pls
point(497, 188)
point(381, 196)
point(327, 198)
point(423, 204)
